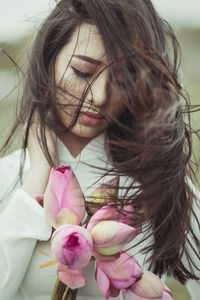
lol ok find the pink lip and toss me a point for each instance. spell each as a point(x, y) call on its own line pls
point(90, 119)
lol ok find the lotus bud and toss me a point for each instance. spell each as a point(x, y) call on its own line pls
point(109, 237)
point(118, 274)
point(72, 246)
point(64, 202)
point(149, 287)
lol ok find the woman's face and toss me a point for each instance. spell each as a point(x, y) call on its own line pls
point(77, 64)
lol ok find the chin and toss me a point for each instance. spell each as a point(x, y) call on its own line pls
point(87, 131)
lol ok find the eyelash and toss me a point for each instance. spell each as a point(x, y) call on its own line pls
point(88, 75)
point(81, 74)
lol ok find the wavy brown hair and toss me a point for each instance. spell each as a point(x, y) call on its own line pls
point(151, 141)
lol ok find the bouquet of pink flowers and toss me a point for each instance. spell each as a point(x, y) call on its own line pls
point(103, 238)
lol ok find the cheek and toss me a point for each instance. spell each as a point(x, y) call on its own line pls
point(71, 98)
point(68, 82)
point(75, 89)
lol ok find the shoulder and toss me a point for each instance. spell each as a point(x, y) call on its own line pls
point(10, 164)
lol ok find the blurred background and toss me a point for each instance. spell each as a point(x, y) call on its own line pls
point(19, 21)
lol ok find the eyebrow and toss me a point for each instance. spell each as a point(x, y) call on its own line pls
point(89, 59)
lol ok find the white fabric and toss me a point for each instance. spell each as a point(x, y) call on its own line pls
point(24, 229)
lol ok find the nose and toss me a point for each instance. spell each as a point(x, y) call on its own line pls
point(99, 90)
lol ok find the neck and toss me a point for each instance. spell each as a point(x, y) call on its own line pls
point(74, 143)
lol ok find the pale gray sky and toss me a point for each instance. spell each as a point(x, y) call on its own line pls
point(18, 16)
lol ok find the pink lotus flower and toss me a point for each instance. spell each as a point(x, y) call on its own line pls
point(117, 274)
point(64, 202)
point(72, 246)
point(149, 287)
point(109, 237)
point(112, 212)
point(72, 278)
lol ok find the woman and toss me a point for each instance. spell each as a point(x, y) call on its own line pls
point(102, 95)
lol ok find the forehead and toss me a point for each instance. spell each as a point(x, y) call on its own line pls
point(87, 41)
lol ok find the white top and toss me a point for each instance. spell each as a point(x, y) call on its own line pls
point(24, 229)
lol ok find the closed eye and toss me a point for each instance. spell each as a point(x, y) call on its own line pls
point(81, 74)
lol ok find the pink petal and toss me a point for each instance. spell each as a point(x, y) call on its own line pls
point(132, 266)
point(59, 182)
point(123, 284)
point(75, 256)
point(68, 191)
point(150, 286)
point(103, 282)
point(72, 278)
point(113, 212)
point(131, 263)
point(130, 295)
point(108, 234)
point(83, 258)
point(122, 268)
point(66, 216)
point(114, 292)
point(68, 229)
point(107, 212)
point(63, 191)
point(127, 214)
point(167, 294)
point(114, 269)
point(51, 206)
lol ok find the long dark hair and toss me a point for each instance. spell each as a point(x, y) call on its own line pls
point(151, 141)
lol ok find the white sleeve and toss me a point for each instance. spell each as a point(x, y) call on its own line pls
point(193, 286)
point(9, 169)
point(22, 223)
